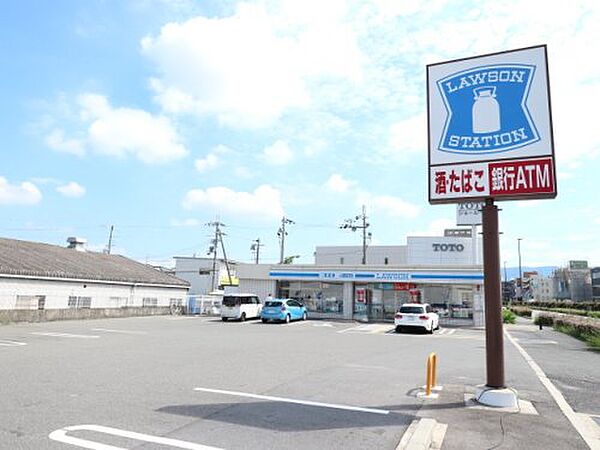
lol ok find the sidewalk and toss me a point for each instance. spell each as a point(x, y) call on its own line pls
point(566, 362)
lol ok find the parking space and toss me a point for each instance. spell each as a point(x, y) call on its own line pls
point(200, 383)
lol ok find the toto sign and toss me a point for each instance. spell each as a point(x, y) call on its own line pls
point(448, 247)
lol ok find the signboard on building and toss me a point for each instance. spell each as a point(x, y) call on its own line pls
point(468, 213)
point(490, 128)
point(578, 265)
point(458, 232)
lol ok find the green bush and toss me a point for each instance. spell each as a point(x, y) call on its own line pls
point(584, 332)
point(508, 316)
point(544, 320)
point(523, 311)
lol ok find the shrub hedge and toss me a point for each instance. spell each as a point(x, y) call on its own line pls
point(583, 328)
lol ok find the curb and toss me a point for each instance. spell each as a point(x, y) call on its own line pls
point(423, 434)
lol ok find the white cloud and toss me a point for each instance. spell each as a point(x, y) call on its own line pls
point(56, 141)
point(407, 138)
point(278, 154)
point(209, 162)
point(435, 228)
point(72, 189)
point(212, 159)
point(264, 202)
point(389, 205)
point(262, 65)
point(122, 131)
point(338, 183)
point(25, 193)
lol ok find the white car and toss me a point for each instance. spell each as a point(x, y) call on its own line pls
point(240, 307)
point(416, 315)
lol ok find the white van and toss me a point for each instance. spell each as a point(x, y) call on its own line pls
point(240, 307)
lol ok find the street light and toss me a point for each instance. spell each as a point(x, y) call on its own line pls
point(520, 273)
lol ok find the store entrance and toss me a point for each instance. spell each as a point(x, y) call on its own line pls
point(382, 301)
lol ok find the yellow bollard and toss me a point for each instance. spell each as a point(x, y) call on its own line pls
point(431, 373)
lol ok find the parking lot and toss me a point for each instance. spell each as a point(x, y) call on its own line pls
point(196, 382)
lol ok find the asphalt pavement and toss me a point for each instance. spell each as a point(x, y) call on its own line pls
point(196, 382)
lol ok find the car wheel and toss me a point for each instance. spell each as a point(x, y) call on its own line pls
point(243, 317)
point(304, 316)
point(437, 327)
point(224, 319)
point(398, 329)
point(264, 320)
point(287, 319)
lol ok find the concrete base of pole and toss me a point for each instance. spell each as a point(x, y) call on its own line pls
point(497, 397)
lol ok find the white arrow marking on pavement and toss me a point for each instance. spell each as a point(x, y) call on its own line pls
point(61, 436)
point(67, 335)
point(291, 400)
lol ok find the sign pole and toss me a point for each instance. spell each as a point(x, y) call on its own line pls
point(494, 339)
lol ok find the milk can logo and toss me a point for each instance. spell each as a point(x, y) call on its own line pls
point(487, 109)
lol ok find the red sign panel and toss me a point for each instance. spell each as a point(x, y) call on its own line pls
point(502, 180)
point(404, 286)
point(521, 177)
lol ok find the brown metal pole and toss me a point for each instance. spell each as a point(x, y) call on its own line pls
point(494, 339)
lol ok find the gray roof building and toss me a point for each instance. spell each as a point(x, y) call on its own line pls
point(36, 260)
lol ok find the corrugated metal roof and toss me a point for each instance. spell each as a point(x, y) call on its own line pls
point(35, 259)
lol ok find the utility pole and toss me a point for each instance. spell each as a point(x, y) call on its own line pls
point(359, 223)
point(225, 256)
point(504, 285)
point(214, 248)
point(281, 234)
point(110, 236)
point(520, 272)
point(255, 247)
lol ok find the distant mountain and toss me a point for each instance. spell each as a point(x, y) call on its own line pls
point(513, 272)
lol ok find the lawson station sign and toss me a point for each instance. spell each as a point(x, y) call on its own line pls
point(490, 128)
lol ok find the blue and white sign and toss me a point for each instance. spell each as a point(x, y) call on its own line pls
point(489, 108)
point(379, 277)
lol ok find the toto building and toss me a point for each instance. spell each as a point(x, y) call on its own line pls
point(443, 271)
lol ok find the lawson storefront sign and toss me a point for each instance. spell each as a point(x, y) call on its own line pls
point(380, 277)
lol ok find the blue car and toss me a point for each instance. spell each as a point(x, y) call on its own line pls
point(283, 310)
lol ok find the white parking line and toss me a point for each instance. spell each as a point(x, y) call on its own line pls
point(61, 436)
point(585, 426)
point(291, 400)
point(66, 335)
point(11, 343)
point(108, 330)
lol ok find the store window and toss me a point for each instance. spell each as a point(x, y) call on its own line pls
point(315, 295)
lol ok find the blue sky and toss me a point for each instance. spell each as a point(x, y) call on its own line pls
point(157, 116)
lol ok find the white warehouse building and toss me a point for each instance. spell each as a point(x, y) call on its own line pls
point(48, 282)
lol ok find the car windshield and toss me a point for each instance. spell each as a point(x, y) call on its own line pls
point(272, 303)
point(231, 301)
point(411, 309)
